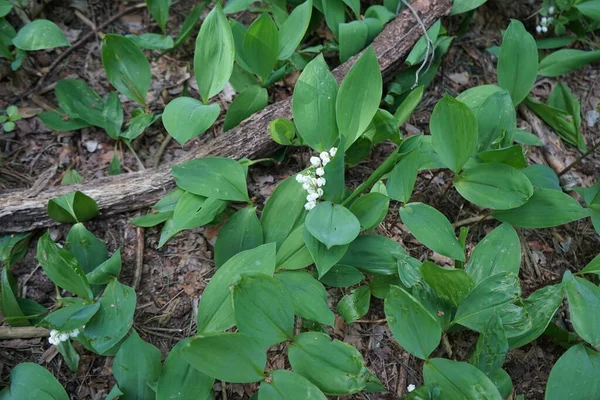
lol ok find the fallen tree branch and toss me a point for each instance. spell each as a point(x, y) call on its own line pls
point(121, 193)
point(25, 332)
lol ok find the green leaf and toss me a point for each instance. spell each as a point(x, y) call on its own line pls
point(496, 120)
point(284, 211)
point(62, 267)
point(114, 167)
point(191, 211)
point(517, 64)
point(58, 120)
point(159, 9)
point(13, 247)
point(80, 101)
point(584, 307)
point(512, 156)
point(462, 6)
point(293, 253)
point(230, 357)
point(126, 67)
point(543, 177)
point(106, 271)
point(353, 37)
point(562, 98)
point(138, 124)
point(282, 131)
point(9, 305)
point(590, 8)
point(135, 367)
point(179, 380)
point(355, 305)
point(72, 207)
point(288, 385)
point(261, 46)
point(335, 14)
point(189, 23)
point(185, 118)
point(409, 104)
point(332, 224)
point(114, 393)
point(308, 296)
point(313, 105)
point(420, 49)
point(31, 381)
point(73, 316)
point(593, 267)
point(415, 329)
point(432, 228)
point(234, 6)
point(335, 367)
point(459, 380)
point(293, 29)
point(451, 284)
point(152, 41)
point(242, 231)
point(69, 354)
point(541, 305)
point(401, 180)
point(499, 251)
point(370, 209)
point(563, 61)
point(71, 177)
point(575, 375)
point(151, 219)
point(359, 97)
point(335, 189)
point(216, 308)
point(216, 177)
point(554, 42)
point(87, 249)
point(263, 309)
point(342, 276)
point(374, 254)
point(489, 295)
point(114, 318)
point(213, 59)
point(324, 258)
point(249, 101)
point(491, 348)
point(454, 130)
point(527, 138)
point(5, 7)
point(39, 35)
point(493, 185)
point(546, 208)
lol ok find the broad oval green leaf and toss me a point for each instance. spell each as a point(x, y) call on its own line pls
point(342, 276)
point(159, 9)
point(463, 6)
point(332, 224)
point(126, 67)
point(563, 61)
point(230, 357)
point(450, 284)
point(293, 253)
point(370, 209)
point(353, 37)
point(214, 54)
point(58, 120)
point(454, 131)
point(590, 8)
point(415, 329)
point(72, 207)
point(313, 105)
point(152, 41)
point(113, 115)
point(32, 381)
point(39, 35)
point(575, 375)
point(261, 46)
point(374, 254)
point(73, 316)
point(517, 64)
point(185, 118)
point(593, 267)
point(584, 307)
point(355, 305)
point(433, 229)
point(401, 180)
point(324, 258)
point(80, 101)
point(359, 97)
point(242, 231)
point(494, 185)
point(288, 385)
point(542, 176)
point(459, 380)
point(189, 23)
point(106, 271)
point(496, 120)
point(247, 102)
point(87, 248)
point(491, 348)
point(9, 303)
point(293, 29)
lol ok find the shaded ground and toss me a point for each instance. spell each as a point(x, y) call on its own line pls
point(173, 277)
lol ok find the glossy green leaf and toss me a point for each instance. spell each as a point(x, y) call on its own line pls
point(9, 305)
point(491, 348)
point(543, 177)
point(313, 105)
point(179, 380)
point(454, 130)
point(293, 29)
point(13, 247)
point(263, 309)
point(189, 23)
point(512, 156)
point(459, 380)
point(58, 120)
point(335, 367)
point(216, 312)
point(5, 7)
point(355, 305)
point(359, 96)
point(374, 254)
point(332, 224)
point(87, 249)
point(561, 122)
point(324, 258)
point(564, 61)
point(420, 49)
point(230, 357)
point(546, 208)
point(499, 251)
point(293, 253)
point(593, 267)
point(527, 138)
point(135, 367)
point(185, 118)
point(575, 375)
point(159, 9)
point(114, 318)
point(493, 185)
point(191, 211)
point(69, 354)
point(282, 131)
point(261, 46)
point(562, 98)
point(152, 41)
point(242, 231)
point(73, 316)
point(80, 101)
point(112, 115)
point(353, 37)
point(288, 385)
point(590, 8)
point(126, 67)
point(335, 171)
point(308, 296)
point(151, 219)
point(72, 207)
point(342, 276)
point(213, 59)
point(401, 181)
point(409, 104)
point(106, 271)
point(584, 307)
point(370, 209)
point(413, 326)
point(246, 103)
point(216, 177)
point(496, 120)
point(137, 125)
point(433, 229)
point(335, 14)
point(517, 64)
point(38, 35)
point(451, 284)
point(62, 267)
point(32, 381)
point(462, 6)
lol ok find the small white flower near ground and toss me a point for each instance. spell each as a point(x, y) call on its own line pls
point(313, 180)
point(411, 387)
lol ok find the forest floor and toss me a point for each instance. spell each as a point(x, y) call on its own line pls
point(174, 276)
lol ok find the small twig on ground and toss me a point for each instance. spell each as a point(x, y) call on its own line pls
point(139, 259)
point(371, 321)
point(22, 332)
point(446, 345)
point(401, 387)
point(530, 265)
point(579, 159)
point(471, 220)
point(137, 158)
point(161, 150)
point(428, 59)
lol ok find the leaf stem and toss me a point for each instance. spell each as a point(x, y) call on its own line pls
point(139, 162)
point(579, 159)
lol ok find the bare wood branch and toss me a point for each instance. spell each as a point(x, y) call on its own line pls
point(25, 332)
point(250, 139)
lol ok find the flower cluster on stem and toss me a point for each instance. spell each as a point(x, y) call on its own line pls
point(545, 22)
point(57, 337)
point(313, 179)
